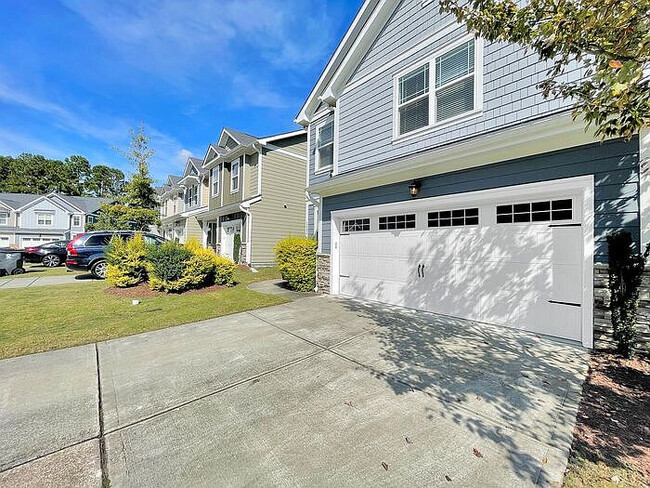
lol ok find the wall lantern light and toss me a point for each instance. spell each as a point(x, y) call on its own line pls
point(414, 188)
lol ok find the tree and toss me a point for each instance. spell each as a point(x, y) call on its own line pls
point(76, 171)
point(104, 182)
point(123, 217)
point(139, 191)
point(609, 38)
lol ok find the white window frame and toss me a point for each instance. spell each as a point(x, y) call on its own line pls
point(431, 61)
point(215, 181)
point(317, 168)
point(4, 218)
point(50, 217)
point(76, 221)
point(232, 175)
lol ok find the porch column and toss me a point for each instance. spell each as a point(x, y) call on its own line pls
point(644, 174)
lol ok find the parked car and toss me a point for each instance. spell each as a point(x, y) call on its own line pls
point(11, 261)
point(86, 251)
point(50, 254)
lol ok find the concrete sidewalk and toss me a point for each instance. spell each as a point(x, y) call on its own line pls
point(23, 281)
point(317, 392)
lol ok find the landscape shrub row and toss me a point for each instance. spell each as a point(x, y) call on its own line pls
point(296, 258)
point(170, 267)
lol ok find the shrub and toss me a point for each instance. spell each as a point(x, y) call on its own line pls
point(296, 258)
point(625, 276)
point(177, 268)
point(167, 264)
point(237, 248)
point(127, 265)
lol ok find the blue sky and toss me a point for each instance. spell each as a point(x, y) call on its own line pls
point(75, 75)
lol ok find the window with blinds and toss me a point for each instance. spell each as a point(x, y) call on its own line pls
point(437, 91)
point(325, 146)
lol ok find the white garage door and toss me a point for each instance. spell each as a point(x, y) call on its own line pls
point(4, 241)
point(510, 261)
point(37, 241)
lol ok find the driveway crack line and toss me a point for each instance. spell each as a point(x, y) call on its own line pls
point(100, 413)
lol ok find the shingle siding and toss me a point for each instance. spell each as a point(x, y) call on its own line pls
point(614, 164)
point(365, 136)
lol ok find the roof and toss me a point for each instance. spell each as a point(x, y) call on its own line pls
point(241, 137)
point(85, 204)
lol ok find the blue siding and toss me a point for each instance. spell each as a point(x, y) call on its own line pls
point(312, 150)
point(510, 93)
point(614, 164)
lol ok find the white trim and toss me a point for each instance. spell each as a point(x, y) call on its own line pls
point(226, 131)
point(48, 198)
point(277, 149)
point(335, 151)
point(319, 127)
point(212, 192)
point(279, 137)
point(644, 174)
point(8, 214)
point(239, 172)
point(581, 185)
point(430, 61)
point(260, 157)
point(49, 213)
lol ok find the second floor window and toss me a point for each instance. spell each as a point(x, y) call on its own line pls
point(216, 176)
point(195, 195)
point(76, 220)
point(45, 219)
point(325, 146)
point(4, 218)
point(234, 177)
point(438, 91)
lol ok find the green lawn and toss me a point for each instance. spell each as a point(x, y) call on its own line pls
point(38, 271)
point(54, 317)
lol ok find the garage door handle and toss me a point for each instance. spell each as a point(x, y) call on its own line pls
point(423, 271)
point(565, 303)
point(419, 266)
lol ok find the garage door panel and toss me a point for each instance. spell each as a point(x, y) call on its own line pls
point(505, 274)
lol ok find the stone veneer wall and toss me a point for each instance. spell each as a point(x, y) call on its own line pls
point(323, 273)
point(242, 253)
point(602, 316)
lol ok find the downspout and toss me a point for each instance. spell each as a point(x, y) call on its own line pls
point(245, 207)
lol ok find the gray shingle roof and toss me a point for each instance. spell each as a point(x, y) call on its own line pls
point(85, 204)
point(17, 200)
point(243, 138)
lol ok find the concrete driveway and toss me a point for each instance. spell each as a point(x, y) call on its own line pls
point(317, 392)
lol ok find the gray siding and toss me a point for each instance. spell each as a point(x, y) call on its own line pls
point(510, 93)
point(310, 229)
point(614, 164)
point(60, 219)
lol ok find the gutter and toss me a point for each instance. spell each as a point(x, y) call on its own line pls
point(245, 207)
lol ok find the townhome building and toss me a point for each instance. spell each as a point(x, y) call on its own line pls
point(442, 179)
point(31, 220)
point(256, 194)
point(182, 199)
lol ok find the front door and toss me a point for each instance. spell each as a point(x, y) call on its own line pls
point(228, 231)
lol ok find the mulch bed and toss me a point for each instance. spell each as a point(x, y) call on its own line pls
point(613, 423)
point(143, 291)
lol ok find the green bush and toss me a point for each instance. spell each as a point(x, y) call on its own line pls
point(177, 268)
point(167, 264)
point(625, 276)
point(127, 264)
point(296, 258)
point(237, 248)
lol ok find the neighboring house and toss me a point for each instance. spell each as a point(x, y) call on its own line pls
point(445, 182)
point(30, 220)
point(257, 192)
point(182, 199)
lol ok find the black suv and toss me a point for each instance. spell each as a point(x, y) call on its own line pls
point(86, 251)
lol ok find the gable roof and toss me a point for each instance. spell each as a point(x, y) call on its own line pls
point(85, 204)
point(17, 200)
point(241, 138)
point(363, 31)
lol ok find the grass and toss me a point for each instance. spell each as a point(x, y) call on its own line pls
point(54, 317)
point(39, 271)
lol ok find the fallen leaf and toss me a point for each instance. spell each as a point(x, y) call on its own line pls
point(545, 461)
point(349, 404)
point(408, 441)
point(385, 465)
point(447, 478)
point(478, 453)
point(540, 400)
point(478, 397)
point(615, 64)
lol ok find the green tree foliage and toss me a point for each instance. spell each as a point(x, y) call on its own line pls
point(105, 181)
point(34, 173)
point(139, 191)
point(625, 276)
point(609, 38)
point(123, 217)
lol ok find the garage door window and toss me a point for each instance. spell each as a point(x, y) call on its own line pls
point(547, 211)
point(395, 222)
point(453, 218)
point(356, 225)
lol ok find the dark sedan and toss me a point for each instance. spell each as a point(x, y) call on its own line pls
point(50, 254)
